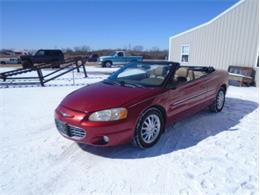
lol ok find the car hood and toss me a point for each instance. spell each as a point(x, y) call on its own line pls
point(102, 96)
point(105, 57)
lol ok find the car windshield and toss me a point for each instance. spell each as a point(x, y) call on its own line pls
point(112, 54)
point(140, 75)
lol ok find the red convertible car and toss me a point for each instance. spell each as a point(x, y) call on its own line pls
point(136, 103)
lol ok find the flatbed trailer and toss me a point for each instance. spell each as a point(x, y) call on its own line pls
point(68, 66)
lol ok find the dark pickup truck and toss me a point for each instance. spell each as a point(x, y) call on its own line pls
point(43, 56)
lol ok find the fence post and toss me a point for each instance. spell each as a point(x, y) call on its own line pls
point(73, 77)
point(84, 70)
point(39, 72)
point(77, 65)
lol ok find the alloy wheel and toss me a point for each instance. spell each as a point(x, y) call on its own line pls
point(150, 128)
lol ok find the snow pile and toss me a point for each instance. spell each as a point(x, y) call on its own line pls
point(204, 154)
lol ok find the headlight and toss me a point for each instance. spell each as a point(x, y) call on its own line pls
point(100, 59)
point(109, 115)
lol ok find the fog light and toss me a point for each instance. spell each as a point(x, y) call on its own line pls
point(106, 139)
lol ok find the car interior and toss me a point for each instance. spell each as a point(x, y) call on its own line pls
point(187, 74)
point(156, 75)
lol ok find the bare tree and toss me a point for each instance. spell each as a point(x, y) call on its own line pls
point(155, 48)
point(77, 48)
point(138, 48)
point(85, 48)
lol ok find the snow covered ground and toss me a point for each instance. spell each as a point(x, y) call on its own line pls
point(204, 154)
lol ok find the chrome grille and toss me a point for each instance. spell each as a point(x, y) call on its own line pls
point(70, 130)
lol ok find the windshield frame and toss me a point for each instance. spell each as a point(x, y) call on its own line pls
point(173, 66)
point(113, 53)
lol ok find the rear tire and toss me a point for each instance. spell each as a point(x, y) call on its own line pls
point(149, 128)
point(55, 64)
point(107, 64)
point(219, 102)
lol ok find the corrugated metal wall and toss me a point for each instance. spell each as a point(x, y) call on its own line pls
point(231, 39)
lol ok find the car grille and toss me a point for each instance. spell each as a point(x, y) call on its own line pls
point(70, 130)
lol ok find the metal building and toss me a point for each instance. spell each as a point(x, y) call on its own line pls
point(231, 38)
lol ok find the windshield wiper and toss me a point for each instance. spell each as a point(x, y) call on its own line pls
point(121, 83)
point(110, 82)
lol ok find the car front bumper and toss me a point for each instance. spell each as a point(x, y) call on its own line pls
point(75, 126)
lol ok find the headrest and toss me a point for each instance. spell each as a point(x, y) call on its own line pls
point(191, 75)
point(159, 71)
point(181, 72)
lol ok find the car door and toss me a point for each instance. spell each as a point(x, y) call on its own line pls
point(39, 56)
point(186, 99)
point(52, 56)
point(209, 80)
point(121, 58)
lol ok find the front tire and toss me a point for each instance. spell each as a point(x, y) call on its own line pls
point(149, 128)
point(219, 102)
point(27, 64)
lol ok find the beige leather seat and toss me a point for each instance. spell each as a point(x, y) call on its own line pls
point(184, 72)
point(182, 75)
point(190, 75)
point(159, 72)
point(157, 76)
point(181, 72)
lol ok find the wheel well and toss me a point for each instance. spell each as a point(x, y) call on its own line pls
point(224, 87)
point(27, 60)
point(162, 110)
point(108, 61)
